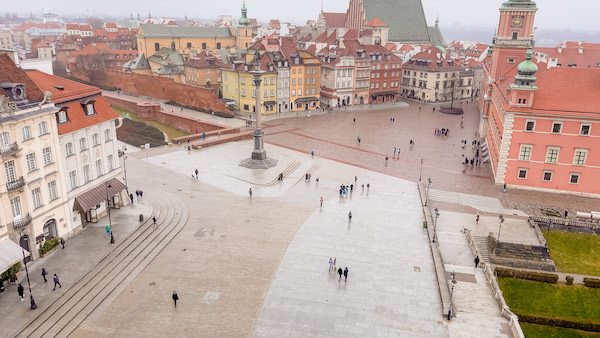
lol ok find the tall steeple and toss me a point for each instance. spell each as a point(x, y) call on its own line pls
point(244, 21)
point(526, 71)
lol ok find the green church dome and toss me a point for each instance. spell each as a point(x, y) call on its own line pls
point(527, 67)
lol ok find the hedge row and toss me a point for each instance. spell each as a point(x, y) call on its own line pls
point(591, 282)
point(48, 245)
point(572, 323)
point(535, 276)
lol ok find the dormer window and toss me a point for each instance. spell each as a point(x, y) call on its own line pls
point(62, 115)
point(89, 107)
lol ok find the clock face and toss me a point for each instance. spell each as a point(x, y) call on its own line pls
point(517, 21)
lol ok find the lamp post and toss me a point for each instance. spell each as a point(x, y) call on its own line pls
point(427, 194)
point(421, 171)
point(112, 238)
point(125, 168)
point(31, 301)
point(437, 214)
point(452, 293)
point(500, 228)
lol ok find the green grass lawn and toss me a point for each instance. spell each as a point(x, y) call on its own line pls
point(575, 253)
point(171, 132)
point(559, 300)
point(543, 331)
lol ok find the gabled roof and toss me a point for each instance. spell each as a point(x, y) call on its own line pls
point(322, 38)
point(375, 22)
point(74, 95)
point(140, 62)
point(165, 31)
point(351, 34)
point(570, 55)
point(27, 25)
point(405, 19)
point(580, 85)
point(435, 36)
point(333, 20)
point(166, 57)
point(111, 25)
point(9, 72)
point(204, 60)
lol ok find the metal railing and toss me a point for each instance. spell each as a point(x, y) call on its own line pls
point(23, 222)
point(14, 185)
point(9, 149)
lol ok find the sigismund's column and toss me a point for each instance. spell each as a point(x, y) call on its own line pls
point(259, 159)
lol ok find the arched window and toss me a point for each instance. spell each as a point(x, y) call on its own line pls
point(218, 45)
point(156, 47)
point(204, 45)
point(189, 45)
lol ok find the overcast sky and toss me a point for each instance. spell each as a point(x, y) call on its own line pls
point(577, 15)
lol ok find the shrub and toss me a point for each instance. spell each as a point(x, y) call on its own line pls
point(569, 280)
point(48, 245)
point(10, 272)
point(528, 275)
point(138, 133)
point(591, 282)
point(573, 323)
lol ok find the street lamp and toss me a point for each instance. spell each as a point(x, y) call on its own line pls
point(125, 168)
point(500, 228)
point(427, 194)
point(33, 305)
point(437, 214)
point(452, 293)
point(421, 171)
point(112, 239)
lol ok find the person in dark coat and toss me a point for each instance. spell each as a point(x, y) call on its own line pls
point(340, 273)
point(175, 298)
point(44, 273)
point(56, 282)
point(62, 241)
point(476, 261)
point(21, 291)
point(345, 274)
point(131, 198)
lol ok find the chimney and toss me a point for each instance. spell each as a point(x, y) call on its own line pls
point(560, 49)
point(580, 49)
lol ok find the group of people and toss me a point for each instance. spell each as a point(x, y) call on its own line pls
point(475, 161)
point(139, 194)
point(195, 174)
point(441, 131)
point(332, 268)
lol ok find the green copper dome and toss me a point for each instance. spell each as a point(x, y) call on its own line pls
point(244, 21)
point(527, 67)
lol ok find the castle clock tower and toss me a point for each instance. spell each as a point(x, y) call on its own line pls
point(513, 36)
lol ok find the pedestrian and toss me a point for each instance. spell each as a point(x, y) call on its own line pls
point(137, 195)
point(131, 198)
point(317, 180)
point(393, 120)
point(566, 213)
point(142, 195)
point(504, 189)
point(350, 216)
point(340, 273)
point(308, 115)
point(21, 291)
point(321, 201)
point(477, 219)
point(359, 140)
point(394, 151)
point(175, 298)
point(107, 230)
point(345, 274)
point(476, 261)
point(334, 262)
point(433, 108)
point(44, 273)
point(386, 159)
point(419, 108)
point(193, 176)
point(331, 265)
point(355, 120)
point(154, 221)
point(312, 153)
point(56, 282)
point(250, 192)
point(355, 179)
point(368, 186)
point(196, 173)
point(62, 241)
point(351, 187)
point(363, 187)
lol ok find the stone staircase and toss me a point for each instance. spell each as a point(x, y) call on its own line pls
point(482, 245)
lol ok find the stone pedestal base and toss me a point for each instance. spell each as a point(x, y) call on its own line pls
point(259, 159)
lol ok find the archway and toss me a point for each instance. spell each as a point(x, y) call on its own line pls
point(362, 101)
point(50, 229)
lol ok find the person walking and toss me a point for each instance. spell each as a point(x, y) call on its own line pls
point(250, 192)
point(44, 273)
point(504, 189)
point(477, 219)
point(345, 274)
point(107, 231)
point(21, 291)
point(196, 173)
point(334, 262)
point(350, 216)
point(175, 298)
point(141, 195)
point(56, 282)
point(154, 221)
point(62, 241)
point(340, 273)
point(321, 201)
point(131, 198)
point(331, 265)
point(476, 261)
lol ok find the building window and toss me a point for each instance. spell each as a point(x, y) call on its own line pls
point(73, 179)
point(226, 89)
point(254, 93)
point(62, 116)
point(547, 175)
point(98, 168)
point(529, 125)
point(243, 80)
point(189, 45)
point(86, 173)
point(111, 165)
point(30, 162)
point(293, 92)
point(585, 129)
point(95, 139)
point(69, 148)
point(204, 45)
point(556, 127)
point(510, 60)
point(218, 45)
point(89, 109)
point(523, 173)
point(580, 155)
point(4, 139)
point(266, 93)
point(156, 46)
point(574, 178)
point(515, 35)
point(26, 133)
point(243, 91)
point(43, 126)
point(47, 156)
point(83, 144)
point(52, 190)
point(36, 197)
point(272, 92)
point(107, 135)
point(15, 207)
point(525, 152)
point(552, 155)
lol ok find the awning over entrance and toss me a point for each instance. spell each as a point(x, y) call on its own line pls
point(10, 254)
point(384, 93)
point(270, 103)
point(98, 194)
point(229, 102)
point(307, 99)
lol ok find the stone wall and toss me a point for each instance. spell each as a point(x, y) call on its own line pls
point(520, 255)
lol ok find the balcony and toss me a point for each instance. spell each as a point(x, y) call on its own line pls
point(21, 223)
point(10, 149)
point(18, 184)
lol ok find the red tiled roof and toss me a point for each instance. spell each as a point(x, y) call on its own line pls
point(85, 27)
point(72, 26)
point(351, 34)
point(111, 25)
point(9, 72)
point(26, 25)
point(406, 48)
point(72, 95)
point(322, 38)
point(335, 19)
point(331, 39)
point(204, 60)
point(312, 49)
point(579, 85)
point(257, 46)
point(375, 22)
point(43, 45)
point(588, 58)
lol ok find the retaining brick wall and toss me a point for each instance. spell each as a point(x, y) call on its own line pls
point(520, 255)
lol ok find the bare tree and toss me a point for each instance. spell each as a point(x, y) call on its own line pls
point(91, 65)
point(453, 90)
point(95, 22)
point(59, 69)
